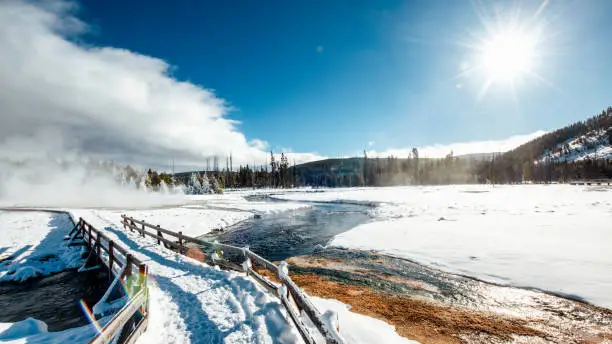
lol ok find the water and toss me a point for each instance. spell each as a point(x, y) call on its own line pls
point(291, 233)
point(53, 299)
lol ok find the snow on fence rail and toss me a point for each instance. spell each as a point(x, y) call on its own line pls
point(291, 297)
point(130, 277)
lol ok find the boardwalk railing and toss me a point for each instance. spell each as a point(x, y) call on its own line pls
point(292, 298)
point(130, 276)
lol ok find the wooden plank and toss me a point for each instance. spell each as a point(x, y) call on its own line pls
point(269, 285)
point(297, 321)
point(114, 326)
point(160, 238)
point(263, 262)
point(140, 328)
point(127, 221)
point(310, 310)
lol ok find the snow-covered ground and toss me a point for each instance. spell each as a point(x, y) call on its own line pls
point(191, 302)
point(202, 214)
point(192, 221)
point(356, 328)
point(553, 237)
point(34, 331)
point(32, 244)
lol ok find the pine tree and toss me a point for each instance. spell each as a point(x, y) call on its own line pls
point(205, 188)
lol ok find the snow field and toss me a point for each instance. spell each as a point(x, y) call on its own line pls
point(32, 331)
point(191, 221)
point(356, 328)
point(553, 237)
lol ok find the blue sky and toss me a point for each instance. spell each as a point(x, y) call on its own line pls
point(331, 76)
point(325, 77)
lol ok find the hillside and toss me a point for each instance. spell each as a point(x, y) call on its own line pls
point(596, 144)
point(578, 133)
point(582, 150)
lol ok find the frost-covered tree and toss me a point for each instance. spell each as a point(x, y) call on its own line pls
point(215, 185)
point(194, 186)
point(205, 188)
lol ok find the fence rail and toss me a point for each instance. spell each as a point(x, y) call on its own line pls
point(291, 297)
point(129, 271)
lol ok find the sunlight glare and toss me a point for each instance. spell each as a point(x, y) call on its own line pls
point(508, 55)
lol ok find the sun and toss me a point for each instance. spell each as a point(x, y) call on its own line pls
point(507, 52)
point(508, 55)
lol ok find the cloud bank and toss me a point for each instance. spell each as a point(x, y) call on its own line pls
point(59, 98)
point(462, 148)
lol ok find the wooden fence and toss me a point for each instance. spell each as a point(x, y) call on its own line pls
point(291, 297)
point(131, 320)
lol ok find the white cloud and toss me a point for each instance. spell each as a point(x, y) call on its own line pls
point(461, 148)
point(57, 96)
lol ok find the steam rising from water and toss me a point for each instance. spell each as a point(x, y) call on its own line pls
point(39, 183)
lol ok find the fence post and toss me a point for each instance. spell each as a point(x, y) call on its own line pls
point(143, 230)
point(132, 225)
point(158, 235)
point(123, 220)
point(180, 240)
point(98, 244)
point(127, 273)
point(90, 237)
point(111, 257)
point(128, 265)
point(142, 274)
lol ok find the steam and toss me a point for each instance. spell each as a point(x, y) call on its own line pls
point(65, 104)
point(106, 102)
point(60, 185)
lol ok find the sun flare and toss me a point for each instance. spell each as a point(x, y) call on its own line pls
point(508, 55)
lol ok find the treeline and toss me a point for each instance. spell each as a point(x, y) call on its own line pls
point(531, 162)
point(389, 171)
point(277, 173)
point(526, 163)
point(504, 172)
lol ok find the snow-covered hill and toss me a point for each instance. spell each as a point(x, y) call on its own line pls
point(593, 145)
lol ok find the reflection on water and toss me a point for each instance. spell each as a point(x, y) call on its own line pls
point(53, 299)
